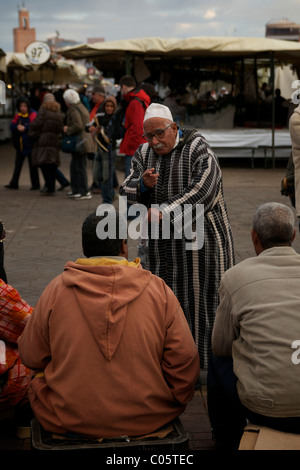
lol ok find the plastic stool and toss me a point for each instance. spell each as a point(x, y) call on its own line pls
point(177, 438)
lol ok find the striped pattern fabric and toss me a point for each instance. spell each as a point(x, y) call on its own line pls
point(14, 313)
point(189, 175)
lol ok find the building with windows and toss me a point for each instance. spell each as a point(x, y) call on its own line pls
point(283, 29)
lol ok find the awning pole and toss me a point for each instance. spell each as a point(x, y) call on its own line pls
point(273, 108)
point(128, 63)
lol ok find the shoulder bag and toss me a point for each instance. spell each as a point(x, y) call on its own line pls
point(72, 143)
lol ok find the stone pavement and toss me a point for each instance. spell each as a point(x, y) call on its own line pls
point(44, 232)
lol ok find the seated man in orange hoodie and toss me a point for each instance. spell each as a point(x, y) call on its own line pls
point(110, 344)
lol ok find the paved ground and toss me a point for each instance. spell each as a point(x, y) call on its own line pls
point(45, 232)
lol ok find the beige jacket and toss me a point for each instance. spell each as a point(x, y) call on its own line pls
point(77, 118)
point(116, 352)
point(294, 128)
point(256, 323)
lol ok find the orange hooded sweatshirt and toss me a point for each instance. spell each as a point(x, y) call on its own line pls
point(115, 349)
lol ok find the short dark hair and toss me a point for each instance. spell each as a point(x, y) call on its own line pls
point(25, 100)
point(127, 80)
point(99, 89)
point(92, 245)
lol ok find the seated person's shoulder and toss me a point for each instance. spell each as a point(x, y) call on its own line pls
point(239, 274)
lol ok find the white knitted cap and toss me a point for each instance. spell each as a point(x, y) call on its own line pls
point(71, 96)
point(156, 110)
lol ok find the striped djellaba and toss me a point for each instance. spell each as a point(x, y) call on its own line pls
point(189, 175)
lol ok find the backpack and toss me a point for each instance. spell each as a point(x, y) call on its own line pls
point(119, 119)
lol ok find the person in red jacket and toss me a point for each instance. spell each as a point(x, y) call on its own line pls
point(137, 103)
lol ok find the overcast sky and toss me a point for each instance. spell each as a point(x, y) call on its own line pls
point(125, 19)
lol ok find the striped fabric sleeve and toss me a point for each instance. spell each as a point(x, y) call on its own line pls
point(202, 192)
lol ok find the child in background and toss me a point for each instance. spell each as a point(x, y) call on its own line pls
point(104, 162)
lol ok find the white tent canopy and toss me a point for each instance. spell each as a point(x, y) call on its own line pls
point(196, 46)
point(265, 50)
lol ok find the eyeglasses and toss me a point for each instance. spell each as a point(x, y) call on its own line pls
point(159, 134)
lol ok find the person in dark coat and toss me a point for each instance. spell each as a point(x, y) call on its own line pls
point(46, 131)
point(23, 145)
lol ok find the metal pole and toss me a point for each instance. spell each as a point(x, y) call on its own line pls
point(256, 93)
point(128, 63)
point(273, 108)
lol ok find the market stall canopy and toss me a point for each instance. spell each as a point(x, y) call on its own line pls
point(58, 73)
point(14, 60)
point(205, 46)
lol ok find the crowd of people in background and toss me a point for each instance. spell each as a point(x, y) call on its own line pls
point(102, 148)
point(97, 118)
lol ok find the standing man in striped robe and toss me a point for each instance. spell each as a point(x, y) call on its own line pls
point(177, 171)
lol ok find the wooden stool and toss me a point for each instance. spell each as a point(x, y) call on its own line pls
point(262, 438)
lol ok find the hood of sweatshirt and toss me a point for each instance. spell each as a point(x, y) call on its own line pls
point(103, 288)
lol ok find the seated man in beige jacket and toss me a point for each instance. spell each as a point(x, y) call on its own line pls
point(254, 371)
point(294, 128)
point(110, 345)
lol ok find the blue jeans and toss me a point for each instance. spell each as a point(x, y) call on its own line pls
point(60, 177)
point(227, 415)
point(103, 171)
point(78, 174)
point(97, 170)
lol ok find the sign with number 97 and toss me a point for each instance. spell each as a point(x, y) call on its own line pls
point(38, 52)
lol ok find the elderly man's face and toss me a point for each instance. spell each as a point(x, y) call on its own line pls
point(164, 144)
